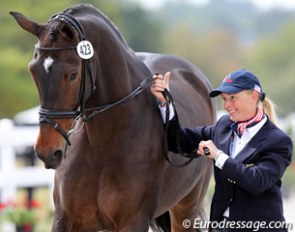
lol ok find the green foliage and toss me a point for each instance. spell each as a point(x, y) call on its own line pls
point(289, 178)
point(20, 216)
point(204, 51)
point(227, 35)
point(17, 90)
point(219, 38)
point(273, 59)
point(142, 34)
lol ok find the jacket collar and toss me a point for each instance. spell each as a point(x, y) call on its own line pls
point(255, 142)
point(251, 147)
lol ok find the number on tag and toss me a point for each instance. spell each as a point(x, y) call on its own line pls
point(85, 49)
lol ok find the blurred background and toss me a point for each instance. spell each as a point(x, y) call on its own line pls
point(218, 36)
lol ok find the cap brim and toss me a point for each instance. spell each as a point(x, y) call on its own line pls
point(225, 89)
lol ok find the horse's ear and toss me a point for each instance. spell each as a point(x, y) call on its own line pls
point(68, 31)
point(27, 24)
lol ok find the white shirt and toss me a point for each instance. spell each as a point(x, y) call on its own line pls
point(239, 143)
point(163, 112)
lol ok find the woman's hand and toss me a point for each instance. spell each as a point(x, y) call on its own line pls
point(212, 149)
point(159, 84)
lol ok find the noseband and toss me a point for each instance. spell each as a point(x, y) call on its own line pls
point(48, 115)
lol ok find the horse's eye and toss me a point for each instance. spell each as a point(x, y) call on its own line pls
point(73, 76)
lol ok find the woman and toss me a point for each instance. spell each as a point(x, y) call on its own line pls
point(250, 154)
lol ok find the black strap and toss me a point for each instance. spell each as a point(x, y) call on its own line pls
point(170, 100)
point(99, 109)
point(70, 20)
point(57, 127)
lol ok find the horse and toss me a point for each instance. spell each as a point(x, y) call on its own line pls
point(101, 129)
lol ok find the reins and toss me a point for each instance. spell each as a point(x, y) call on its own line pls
point(190, 157)
point(48, 115)
point(99, 109)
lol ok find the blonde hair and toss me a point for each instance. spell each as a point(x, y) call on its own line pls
point(269, 108)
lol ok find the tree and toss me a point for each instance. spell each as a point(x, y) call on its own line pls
point(17, 90)
point(273, 60)
point(216, 53)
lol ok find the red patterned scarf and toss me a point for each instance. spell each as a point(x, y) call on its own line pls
point(240, 127)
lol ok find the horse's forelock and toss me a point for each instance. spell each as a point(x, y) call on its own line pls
point(54, 28)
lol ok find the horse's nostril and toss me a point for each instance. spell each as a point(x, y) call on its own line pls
point(51, 160)
point(58, 154)
point(55, 159)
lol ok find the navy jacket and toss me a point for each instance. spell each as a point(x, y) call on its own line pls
point(250, 183)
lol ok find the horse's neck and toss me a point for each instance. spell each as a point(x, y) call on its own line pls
point(114, 84)
point(119, 76)
point(118, 70)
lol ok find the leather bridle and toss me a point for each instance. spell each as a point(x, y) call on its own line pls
point(49, 115)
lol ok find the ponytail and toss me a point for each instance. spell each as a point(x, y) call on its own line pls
point(269, 108)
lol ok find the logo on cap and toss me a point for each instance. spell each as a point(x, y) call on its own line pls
point(257, 88)
point(228, 79)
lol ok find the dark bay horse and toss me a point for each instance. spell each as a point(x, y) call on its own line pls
point(101, 129)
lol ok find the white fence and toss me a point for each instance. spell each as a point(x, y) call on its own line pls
point(12, 178)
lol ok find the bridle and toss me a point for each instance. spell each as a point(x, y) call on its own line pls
point(49, 115)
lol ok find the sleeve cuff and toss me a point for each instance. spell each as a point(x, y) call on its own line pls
point(163, 112)
point(220, 160)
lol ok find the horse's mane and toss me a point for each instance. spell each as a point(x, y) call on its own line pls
point(84, 9)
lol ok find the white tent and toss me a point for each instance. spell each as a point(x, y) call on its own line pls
point(27, 117)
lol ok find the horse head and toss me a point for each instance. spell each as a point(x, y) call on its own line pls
point(66, 79)
point(58, 69)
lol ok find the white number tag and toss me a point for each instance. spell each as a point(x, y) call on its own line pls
point(85, 49)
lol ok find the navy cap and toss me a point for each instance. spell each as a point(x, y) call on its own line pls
point(237, 81)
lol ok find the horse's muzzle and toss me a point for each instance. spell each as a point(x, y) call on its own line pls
point(51, 160)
